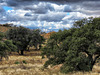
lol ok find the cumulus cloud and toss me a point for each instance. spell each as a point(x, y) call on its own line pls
point(40, 8)
point(52, 16)
point(48, 15)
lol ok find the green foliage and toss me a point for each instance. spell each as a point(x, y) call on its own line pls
point(24, 37)
point(6, 46)
point(77, 48)
point(17, 62)
point(24, 62)
point(36, 39)
point(11, 46)
point(20, 37)
point(1, 35)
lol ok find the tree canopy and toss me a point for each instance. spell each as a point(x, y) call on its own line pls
point(77, 48)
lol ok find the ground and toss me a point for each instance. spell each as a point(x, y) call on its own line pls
point(32, 64)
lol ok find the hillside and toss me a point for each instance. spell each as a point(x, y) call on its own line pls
point(4, 28)
point(47, 35)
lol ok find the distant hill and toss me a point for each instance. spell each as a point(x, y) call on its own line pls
point(47, 35)
point(6, 27)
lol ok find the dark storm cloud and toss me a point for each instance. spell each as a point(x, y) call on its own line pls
point(28, 14)
point(1, 1)
point(87, 7)
point(44, 7)
point(55, 0)
point(40, 8)
point(68, 9)
point(23, 2)
point(1, 10)
point(94, 5)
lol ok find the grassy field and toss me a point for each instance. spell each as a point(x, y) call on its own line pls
point(32, 64)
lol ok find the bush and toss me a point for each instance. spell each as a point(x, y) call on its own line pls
point(24, 62)
point(17, 62)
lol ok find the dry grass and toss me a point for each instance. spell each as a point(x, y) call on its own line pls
point(34, 66)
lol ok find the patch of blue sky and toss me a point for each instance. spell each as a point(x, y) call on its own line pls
point(6, 8)
point(68, 13)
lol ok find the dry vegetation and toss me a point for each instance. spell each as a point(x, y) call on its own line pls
point(4, 29)
point(47, 35)
point(34, 66)
point(33, 63)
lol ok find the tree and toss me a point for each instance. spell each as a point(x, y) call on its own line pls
point(24, 37)
point(6, 46)
point(1, 35)
point(36, 39)
point(20, 37)
point(77, 48)
point(82, 22)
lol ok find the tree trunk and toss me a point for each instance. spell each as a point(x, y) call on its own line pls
point(18, 51)
point(36, 48)
point(94, 61)
point(0, 58)
point(39, 46)
point(28, 49)
point(90, 62)
point(22, 52)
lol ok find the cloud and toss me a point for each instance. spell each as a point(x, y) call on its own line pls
point(1, 10)
point(48, 15)
point(88, 7)
point(40, 8)
point(28, 14)
point(52, 16)
point(68, 8)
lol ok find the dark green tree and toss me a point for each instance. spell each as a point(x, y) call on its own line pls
point(6, 46)
point(23, 38)
point(36, 39)
point(20, 37)
point(77, 48)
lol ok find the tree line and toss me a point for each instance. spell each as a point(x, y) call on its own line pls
point(8, 25)
point(77, 48)
point(19, 39)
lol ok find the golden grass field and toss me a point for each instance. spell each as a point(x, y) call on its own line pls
point(34, 66)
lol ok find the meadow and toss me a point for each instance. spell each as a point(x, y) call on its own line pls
point(32, 64)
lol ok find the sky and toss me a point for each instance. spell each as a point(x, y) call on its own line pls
point(47, 15)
